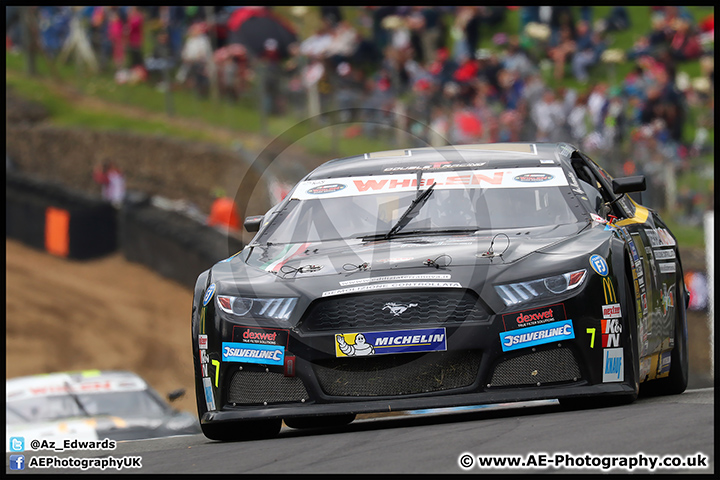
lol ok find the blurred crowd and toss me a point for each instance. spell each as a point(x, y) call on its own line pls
point(420, 68)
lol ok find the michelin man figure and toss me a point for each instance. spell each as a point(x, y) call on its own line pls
point(359, 349)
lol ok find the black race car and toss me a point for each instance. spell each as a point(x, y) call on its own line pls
point(426, 278)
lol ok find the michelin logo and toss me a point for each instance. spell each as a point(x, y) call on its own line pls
point(399, 341)
point(253, 353)
point(537, 335)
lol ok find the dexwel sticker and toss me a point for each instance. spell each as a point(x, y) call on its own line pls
point(598, 264)
point(208, 294)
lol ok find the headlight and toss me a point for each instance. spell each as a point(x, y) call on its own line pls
point(272, 308)
point(522, 292)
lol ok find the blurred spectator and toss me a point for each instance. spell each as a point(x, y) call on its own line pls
point(548, 116)
point(116, 35)
point(561, 50)
point(111, 181)
point(685, 44)
point(223, 212)
point(135, 36)
point(589, 47)
point(196, 54)
point(617, 20)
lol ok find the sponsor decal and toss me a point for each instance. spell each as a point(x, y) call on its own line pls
point(612, 365)
point(443, 179)
point(208, 294)
point(204, 370)
point(252, 353)
point(664, 366)
point(665, 238)
point(598, 219)
point(609, 290)
point(330, 188)
point(574, 183)
point(536, 316)
point(644, 303)
point(384, 286)
point(399, 341)
point(289, 252)
point(533, 177)
point(435, 166)
point(202, 342)
point(289, 365)
point(398, 309)
point(204, 357)
point(611, 311)
point(652, 237)
point(209, 398)
point(537, 335)
point(259, 336)
point(668, 299)
point(598, 264)
point(611, 330)
point(645, 365)
point(395, 278)
point(664, 254)
point(667, 267)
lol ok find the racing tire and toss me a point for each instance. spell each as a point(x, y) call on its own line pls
point(575, 403)
point(676, 382)
point(245, 430)
point(321, 421)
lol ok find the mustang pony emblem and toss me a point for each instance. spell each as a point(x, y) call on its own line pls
point(398, 308)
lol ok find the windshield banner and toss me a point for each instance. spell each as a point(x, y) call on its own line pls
point(372, 184)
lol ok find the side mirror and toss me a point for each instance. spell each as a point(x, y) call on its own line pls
point(175, 394)
point(252, 224)
point(629, 184)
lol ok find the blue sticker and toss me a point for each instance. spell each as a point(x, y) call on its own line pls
point(531, 336)
point(598, 264)
point(399, 341)
point(208, 294)
point(253, 353)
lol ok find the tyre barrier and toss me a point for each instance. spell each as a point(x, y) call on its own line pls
point(63, 222)
point(171, 243)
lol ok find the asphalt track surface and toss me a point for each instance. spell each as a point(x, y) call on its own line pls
point(433, 441)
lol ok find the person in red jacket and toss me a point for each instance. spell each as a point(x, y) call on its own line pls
point(223, 212)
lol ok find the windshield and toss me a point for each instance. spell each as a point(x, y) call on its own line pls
point(360, 207)
point(57, 407)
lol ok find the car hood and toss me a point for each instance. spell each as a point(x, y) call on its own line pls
point(343, 256)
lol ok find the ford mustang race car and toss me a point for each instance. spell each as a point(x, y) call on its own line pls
point(90, 405)
point(428, 278)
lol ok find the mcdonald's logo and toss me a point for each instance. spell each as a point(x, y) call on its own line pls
point(609, 290)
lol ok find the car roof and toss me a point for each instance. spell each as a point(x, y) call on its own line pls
point(84, 381)
point(454, 157)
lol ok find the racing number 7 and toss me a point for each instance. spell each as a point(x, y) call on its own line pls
point(591, 331)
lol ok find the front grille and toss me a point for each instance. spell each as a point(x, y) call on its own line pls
point(548, 366)
point(256, 388)
point(380, 310)
point(401, 374)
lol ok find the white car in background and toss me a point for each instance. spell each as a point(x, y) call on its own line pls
point(90, 405)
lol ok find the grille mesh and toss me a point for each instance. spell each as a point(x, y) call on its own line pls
point(548, 366)
point(372, 311)
point(402, 374)
point(253, 388)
